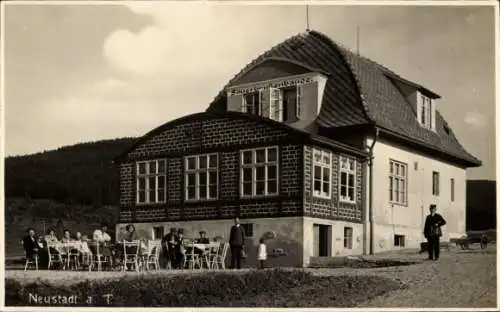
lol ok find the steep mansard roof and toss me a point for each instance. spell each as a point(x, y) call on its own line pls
point(360, 91)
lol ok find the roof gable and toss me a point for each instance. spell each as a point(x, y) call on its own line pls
point(202, 131)
point(272, 68)
point(359, 92)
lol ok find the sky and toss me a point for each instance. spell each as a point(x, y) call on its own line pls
point(79, 73)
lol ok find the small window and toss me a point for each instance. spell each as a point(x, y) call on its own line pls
point(248, 228)
point(452, 189)
point(435, 183)
point(399, 240)
point(348, 237)
point(252, 103)
point(158, 232)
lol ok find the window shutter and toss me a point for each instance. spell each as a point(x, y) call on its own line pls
point(236, 103)
point(274, 104)
point(264, 103)
point(298, 108)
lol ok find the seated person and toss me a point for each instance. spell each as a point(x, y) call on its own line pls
point(85, 252)
point(203, 239)
point(131, 234)
point(51, 237)
point(102, 238)
point(30, 244)
point(101, 235)
point(67, 237)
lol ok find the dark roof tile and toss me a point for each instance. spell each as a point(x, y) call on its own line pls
point(359, 91)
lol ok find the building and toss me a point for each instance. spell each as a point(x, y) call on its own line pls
point(335, 153)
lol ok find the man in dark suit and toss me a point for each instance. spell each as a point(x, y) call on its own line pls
point(432, 232)
point(30, 244)
point(169, 243)
point(236, 242)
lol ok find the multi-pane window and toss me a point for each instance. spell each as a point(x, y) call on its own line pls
point(259, 172)
point(201, 177)
point(426, 112)
point(151, 181)
point(452, 190)
point(435, 183)
point(398, 180)
point(322, 173)
point(252, 103)
point(348, 237)
point(285, 103)
point(347, 179)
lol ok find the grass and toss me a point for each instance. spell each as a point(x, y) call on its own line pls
point(267, 288)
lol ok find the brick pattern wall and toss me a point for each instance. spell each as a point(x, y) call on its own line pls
point(127, 193)
point(331, 208)
point(228, 176)
point(290, 169)
point(225, 136)
point(175, 168)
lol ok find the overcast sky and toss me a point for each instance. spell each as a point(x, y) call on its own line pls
point(77, 73)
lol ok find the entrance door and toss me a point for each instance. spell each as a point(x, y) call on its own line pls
point(321, 239)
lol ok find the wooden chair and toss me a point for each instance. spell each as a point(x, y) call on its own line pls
point(192, 259)
point(212, 256)
point(55, 256)
point(220, 260)
point(32, 261)
point(131, 254)
point(98, 257)
point(153, 255)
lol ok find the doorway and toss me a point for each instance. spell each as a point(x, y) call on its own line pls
point(322, 240)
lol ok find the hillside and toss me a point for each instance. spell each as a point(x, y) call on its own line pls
point(77, 174)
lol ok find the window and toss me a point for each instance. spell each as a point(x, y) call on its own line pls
point(426, 116)
point(435, 183)
point(291, 104)
point(151, 181)
point(452, 190)
point(322, 164)
point(248, 229)
point(285, 103)
point(398, 180)
point(158, 232)
point(399, 240)
point(347, 179)
point(252, 103)
point(201, 177)
point(348, 237)
point(259, 172)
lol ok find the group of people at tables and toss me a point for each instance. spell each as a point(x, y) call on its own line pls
point(173, 248)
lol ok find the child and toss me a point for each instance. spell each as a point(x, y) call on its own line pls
point(262, 253)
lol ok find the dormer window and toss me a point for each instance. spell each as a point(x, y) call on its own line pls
point(252, 103)
point(426, 114)
point(285, 103)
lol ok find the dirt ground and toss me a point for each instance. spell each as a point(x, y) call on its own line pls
point(460, 279)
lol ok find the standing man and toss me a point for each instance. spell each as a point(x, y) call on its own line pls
point(236, 242)
point(169, 243)
point(432, 232)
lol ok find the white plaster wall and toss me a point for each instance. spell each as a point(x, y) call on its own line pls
point(337, 239)
point(390, 219)
point(288, 235)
